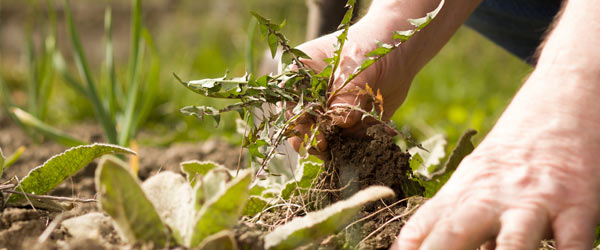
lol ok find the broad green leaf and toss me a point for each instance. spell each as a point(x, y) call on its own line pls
point(193, 169)
point(47, 130)
point(44, 178)
point(307, 172)
point(255, 205)
point(430, 159)
point(214, 182)
point(222, 211)
point(224, 240)
point(173, 199)
point(317, 225)
point(122, 198)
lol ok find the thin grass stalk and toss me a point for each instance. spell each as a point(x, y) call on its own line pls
point(105, 120)
point(111, 76)
point(133, 90)
point(47, 68)
point(47, 130)
point(151, 86)
point(32, 83)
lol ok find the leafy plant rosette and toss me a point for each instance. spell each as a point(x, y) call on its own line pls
point(307, 91)
point(201, 210)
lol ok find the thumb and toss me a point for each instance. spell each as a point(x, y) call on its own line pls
point(343, 116)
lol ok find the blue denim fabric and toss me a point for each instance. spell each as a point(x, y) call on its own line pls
point(516, 25)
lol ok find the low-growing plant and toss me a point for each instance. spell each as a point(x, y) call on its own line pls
point(118, 108)
point(200, 211)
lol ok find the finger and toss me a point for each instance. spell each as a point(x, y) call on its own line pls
point(469, 227)
point(574, 229)
point(489, 245)
point(346, 118)
point(521, 229)
point(418, 227)
point(303, 129)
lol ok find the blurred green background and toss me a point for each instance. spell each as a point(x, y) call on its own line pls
point(466, 86)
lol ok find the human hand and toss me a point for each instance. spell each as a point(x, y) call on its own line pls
point(534, 176)
point(386, 76)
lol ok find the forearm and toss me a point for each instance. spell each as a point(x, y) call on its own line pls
point(387, 16)
point(562, 96)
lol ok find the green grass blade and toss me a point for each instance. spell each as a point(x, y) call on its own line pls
point(47, 68)
point(9, 161)
point(106, 121)
point(151, 86)
point(30, 121)
point(111, 75)
point(32, 83)
point(134, 86)
point(59, 65)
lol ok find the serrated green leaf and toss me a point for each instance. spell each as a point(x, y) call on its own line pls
point(307, 172)
point(121, 197)
point(317, 225)
point(272, 41)
point(255, 205)
point(420, 23)
point(44, 178)
point(193, 169)
point(431, 159)
point(462, 149)
point(382, 49)
point(299, 53)
point(222, 211)
point(253, 149)
point(403, 36)
point(173, 199)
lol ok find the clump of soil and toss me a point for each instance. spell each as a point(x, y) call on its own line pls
point(356, 163)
